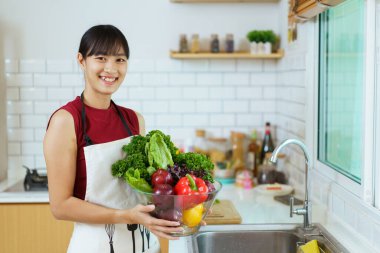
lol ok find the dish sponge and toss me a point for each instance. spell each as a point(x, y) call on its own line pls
point(310, 247)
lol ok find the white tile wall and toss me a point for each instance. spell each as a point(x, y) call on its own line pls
point(293, 81)
point(176, 96)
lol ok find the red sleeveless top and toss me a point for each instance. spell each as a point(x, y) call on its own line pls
point(103, 125)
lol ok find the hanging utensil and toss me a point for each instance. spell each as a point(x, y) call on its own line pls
point(132, 228)
point(147, 233)
point(110, 229)
point(141, 228)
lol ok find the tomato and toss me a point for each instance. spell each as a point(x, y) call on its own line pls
point(193, 216)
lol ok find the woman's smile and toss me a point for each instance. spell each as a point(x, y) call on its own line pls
point(109, 80)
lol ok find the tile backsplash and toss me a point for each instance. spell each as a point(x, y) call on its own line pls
point(175, 96)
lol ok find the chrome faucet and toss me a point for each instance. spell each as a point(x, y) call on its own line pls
point(306, 210)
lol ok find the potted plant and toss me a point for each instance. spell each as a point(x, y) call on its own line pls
point(255, 37)
point(269, 41)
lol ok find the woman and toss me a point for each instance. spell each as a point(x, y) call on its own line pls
point(83, 139)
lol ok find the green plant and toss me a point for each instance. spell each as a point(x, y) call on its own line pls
point(255, 36)
point(262, 36)
point(270, 36)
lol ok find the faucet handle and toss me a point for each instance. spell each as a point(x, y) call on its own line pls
point(291, 201)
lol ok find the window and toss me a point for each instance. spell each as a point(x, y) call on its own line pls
point(341, 88)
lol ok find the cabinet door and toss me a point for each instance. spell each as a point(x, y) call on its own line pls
point(31, 228)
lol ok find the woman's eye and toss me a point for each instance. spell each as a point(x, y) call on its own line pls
point(121, 60)
point(100, 58)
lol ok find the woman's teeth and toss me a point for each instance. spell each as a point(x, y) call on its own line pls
point(108, 79)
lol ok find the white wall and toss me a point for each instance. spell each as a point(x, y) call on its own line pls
point(177, 96)
point(52, 29)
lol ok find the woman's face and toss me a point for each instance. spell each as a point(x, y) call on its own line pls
point(104, 73)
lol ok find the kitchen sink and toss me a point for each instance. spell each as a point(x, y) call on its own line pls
point(263, 238)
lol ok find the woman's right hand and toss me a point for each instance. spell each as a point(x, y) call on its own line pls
point(140, 214)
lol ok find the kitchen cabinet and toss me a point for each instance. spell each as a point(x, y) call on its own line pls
point(235, 55)
point(308, 9)
point(31, 228)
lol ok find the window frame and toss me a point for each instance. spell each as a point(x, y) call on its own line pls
point(366, 189)
point(376, 176)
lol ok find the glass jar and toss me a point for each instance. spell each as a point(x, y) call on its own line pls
point(214, 44)
point(195, 48)
point(229, 43)
point(217, 149)
point(183, 46)
point(267, 171)
point(219, 153)
point(200, 142)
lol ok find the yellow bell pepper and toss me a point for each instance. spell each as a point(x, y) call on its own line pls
point(193, 216)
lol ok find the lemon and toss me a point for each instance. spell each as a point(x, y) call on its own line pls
point(193, 216)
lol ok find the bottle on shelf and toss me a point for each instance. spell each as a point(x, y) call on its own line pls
point(237, 141)
point(214, 43)
point(183, 46)
point(195, 44)
point(253, 154)
point(267, 144)
point(200, 142)
point(229, 43)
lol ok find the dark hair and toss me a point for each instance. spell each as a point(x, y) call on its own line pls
point(103, 39)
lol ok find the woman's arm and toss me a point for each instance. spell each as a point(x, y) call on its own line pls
point(141, 123)
point(60, 150)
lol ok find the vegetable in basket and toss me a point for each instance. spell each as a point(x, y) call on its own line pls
point(194, 189)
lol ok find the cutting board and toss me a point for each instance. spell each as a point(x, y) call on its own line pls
point(223, 212)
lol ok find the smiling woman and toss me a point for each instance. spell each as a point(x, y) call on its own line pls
point(103, 56)
point(84, 138)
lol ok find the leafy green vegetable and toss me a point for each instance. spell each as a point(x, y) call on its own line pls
point(137, 146)
point(151, 170)
point(172, 148)
point(158, 153)
point(132, 176)
point(144, 155)
point(195, 161)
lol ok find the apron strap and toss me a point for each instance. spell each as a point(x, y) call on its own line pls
point(87, 139)
point(121, 116)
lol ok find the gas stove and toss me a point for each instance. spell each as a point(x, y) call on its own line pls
point(35, 179)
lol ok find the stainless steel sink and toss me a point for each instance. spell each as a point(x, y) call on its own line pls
point(267, 238)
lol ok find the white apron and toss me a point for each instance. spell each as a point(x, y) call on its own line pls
point(104, 189)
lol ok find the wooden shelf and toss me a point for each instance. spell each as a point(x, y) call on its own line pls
point(235, 55)
point(224, 1)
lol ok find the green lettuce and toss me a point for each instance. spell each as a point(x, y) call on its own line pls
point(158, 153)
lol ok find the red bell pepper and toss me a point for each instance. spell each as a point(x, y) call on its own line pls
point(193, 189)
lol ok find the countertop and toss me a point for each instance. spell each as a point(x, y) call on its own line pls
point(20, 196)
point(253, 206)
